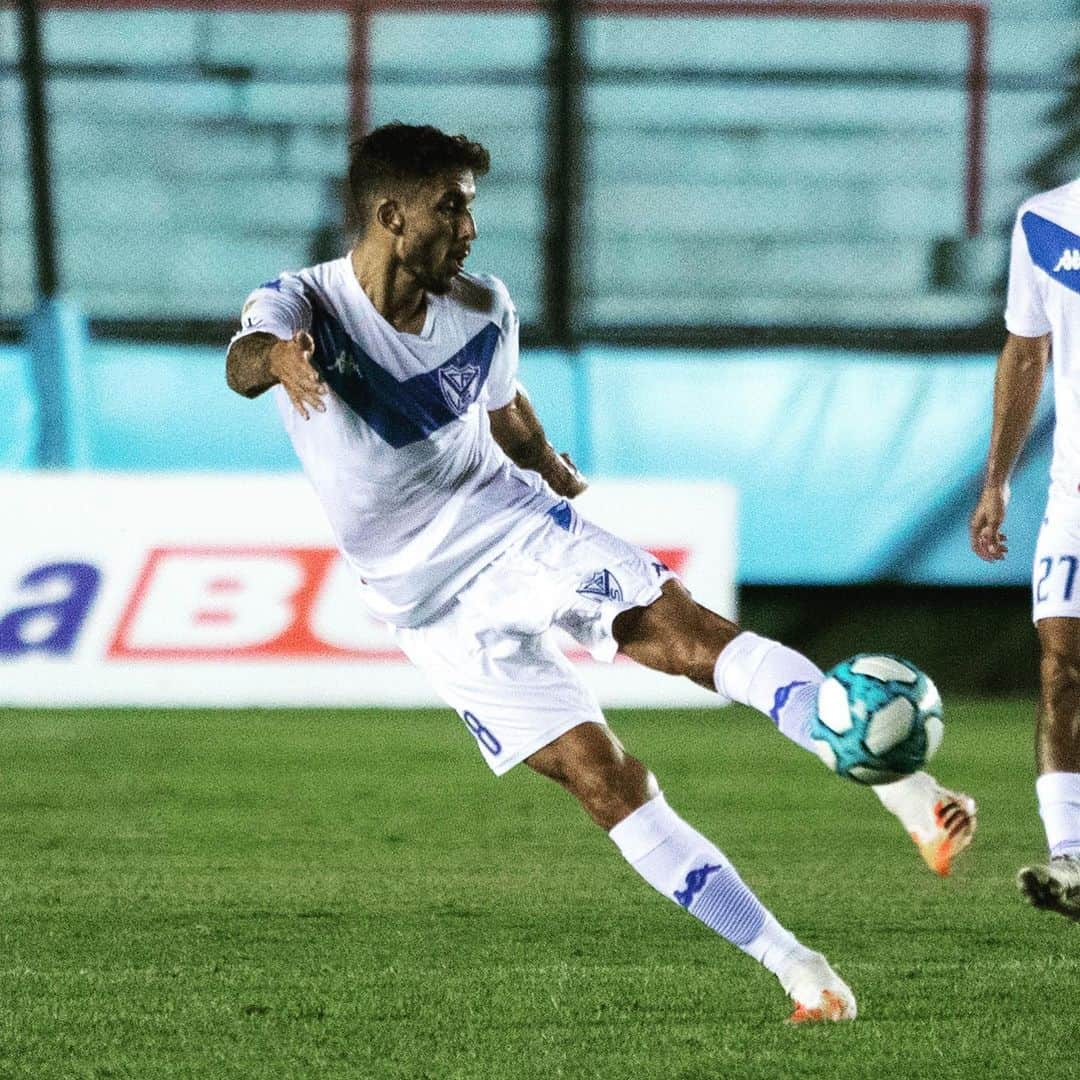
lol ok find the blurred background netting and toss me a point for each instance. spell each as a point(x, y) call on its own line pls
point(731, 169)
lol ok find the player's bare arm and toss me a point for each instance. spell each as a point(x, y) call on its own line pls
point(1017, 385)
point(517, 429)
point(259, 361)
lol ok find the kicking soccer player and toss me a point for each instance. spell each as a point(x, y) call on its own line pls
point(395, 375)
point(1043, 310)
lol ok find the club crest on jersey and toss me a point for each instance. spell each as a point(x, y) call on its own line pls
point(459, 385)
point(603, 584)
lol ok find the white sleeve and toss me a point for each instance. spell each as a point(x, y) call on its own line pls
point(1025, 314)
point(502, 378)
point(279, 307)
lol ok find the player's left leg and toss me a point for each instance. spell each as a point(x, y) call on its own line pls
point(1055, 885)
point(623, 798)
point(491, 658)
point(677, 635)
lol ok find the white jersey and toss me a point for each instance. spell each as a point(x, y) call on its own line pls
point(419, 495)
point(1044, 298)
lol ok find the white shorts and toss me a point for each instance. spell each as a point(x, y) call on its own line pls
point(492, 655)
point(1055, 578)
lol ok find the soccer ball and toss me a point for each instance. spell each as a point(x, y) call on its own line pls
point(878, 719)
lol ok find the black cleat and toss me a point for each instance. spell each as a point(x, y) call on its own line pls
point(1053, 886)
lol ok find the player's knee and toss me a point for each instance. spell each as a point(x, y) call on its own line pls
point(612, 790)
point(694, 649)
point(675, 635)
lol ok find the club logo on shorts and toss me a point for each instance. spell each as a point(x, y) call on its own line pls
point(603, 584)
point(459, 385)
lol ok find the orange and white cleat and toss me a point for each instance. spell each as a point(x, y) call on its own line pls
point(941, 822)
point(819, 994)
point(831, 1007)
point(952, 831)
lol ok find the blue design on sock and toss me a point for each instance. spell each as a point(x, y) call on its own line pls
point(781, 699)
point(727, 906)
point(695, 882)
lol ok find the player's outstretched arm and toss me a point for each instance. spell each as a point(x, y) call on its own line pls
point(1017, 386)
point(258, 361)
point(517, 429)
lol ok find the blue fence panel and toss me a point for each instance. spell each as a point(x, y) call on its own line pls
point(849, 467)
point(168, 408)
point(18, 418)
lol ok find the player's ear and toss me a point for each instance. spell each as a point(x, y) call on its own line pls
point(388, 213)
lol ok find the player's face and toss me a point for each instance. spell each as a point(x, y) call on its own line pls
point(439, 229)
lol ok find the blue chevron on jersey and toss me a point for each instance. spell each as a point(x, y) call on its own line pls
point(406, 411)
point(603, 584)
point(1053, 249)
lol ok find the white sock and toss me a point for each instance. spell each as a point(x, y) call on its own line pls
point(1059, 807)
point(676, 860)
point(783, 685)
point(773, 679)
point(912, 800)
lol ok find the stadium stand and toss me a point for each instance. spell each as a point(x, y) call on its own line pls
point(832, 151)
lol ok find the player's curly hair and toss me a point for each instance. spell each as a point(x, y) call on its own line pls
point(397, 154)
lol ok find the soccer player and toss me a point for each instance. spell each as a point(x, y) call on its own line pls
point(395, 376)
point(1043, 313)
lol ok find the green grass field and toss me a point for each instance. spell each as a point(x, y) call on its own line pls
point(328, 894)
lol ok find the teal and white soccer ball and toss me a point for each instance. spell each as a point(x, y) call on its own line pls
point(878, 719)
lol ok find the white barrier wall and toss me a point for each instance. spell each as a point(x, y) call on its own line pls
point(210, 589)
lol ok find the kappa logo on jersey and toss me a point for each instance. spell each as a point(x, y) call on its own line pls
point(459, 385)
point(1069, 260)
point(603, 584)
point(1053, 249)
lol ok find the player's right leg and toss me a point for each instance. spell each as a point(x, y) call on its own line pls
point(623, 798)
point(677, 635)
point(1055, 884)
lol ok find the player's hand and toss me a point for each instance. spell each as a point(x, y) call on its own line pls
point(290, 364)
point(987, 539)
point(563, 477)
